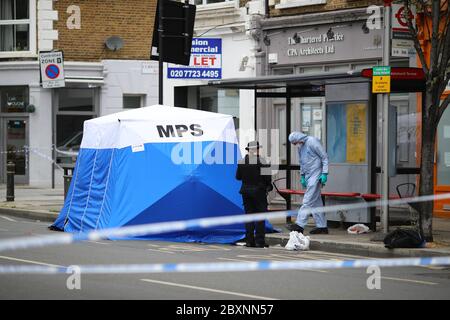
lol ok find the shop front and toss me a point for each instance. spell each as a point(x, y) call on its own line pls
point(442, 165)
point(14, 129)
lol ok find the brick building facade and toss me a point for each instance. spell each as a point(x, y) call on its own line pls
point(41, 129)
point(132, 20)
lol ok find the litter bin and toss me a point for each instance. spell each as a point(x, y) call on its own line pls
point(68, 173)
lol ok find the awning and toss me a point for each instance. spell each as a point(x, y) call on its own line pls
point(286, 81)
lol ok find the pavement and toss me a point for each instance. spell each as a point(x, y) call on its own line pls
point(44, 204)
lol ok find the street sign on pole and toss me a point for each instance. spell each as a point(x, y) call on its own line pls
point(384, 214)
point(381, 79)
point(52, 69)
point(402, 41)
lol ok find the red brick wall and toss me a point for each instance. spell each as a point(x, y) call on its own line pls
point(132, 20)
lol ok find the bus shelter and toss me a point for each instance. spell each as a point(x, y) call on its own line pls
point(339, 109)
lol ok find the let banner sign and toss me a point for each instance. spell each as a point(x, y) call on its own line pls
point(381, 79)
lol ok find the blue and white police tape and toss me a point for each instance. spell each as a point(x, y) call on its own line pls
point(224, 266)
point(172, 226)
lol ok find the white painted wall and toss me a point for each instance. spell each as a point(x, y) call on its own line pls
point(126, 77)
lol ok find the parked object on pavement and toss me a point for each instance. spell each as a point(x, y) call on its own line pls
point(404, 238)
point(358, 229)
point(297, 241)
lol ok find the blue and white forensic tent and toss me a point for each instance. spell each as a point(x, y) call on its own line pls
point(156, 164)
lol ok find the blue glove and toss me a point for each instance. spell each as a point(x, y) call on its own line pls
point(324, 178)
point(303, 181)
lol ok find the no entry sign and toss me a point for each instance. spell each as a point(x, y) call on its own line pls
point(52, 69)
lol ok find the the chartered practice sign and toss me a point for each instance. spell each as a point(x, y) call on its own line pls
point(205, 63)
point(52, 69)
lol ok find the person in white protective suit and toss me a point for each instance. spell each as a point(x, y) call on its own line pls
point(314, 174)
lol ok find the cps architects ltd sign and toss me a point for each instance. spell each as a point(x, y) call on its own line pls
point(324, 43)
point(205, 63)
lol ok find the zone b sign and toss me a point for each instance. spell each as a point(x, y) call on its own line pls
point(52, 69)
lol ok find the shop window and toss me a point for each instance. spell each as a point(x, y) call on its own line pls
point(282, 71)
point(347, 132)
point(406, 130)
point(13, 99)
point(75, 105)
point(17, 26)
point(210, 99)
point(224, 101)
point(443, 150)
point(69, 133)
point(76, 99)
point(362, 66)
point(131, 101)
point(338, 68)
point(311, 70)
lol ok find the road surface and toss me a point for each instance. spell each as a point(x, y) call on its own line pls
point(396, 283)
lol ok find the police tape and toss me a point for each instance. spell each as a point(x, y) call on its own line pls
point(264, 265)
point(182, 225)
point(39, 152)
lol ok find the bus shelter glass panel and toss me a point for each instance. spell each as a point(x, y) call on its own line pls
point(347, 133)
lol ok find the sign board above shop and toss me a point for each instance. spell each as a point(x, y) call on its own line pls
point(52, 69)
point(345, 42)
point(205, 63)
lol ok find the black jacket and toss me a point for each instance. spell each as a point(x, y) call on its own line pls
point(249, 172)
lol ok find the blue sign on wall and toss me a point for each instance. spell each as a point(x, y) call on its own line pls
point(206, 61)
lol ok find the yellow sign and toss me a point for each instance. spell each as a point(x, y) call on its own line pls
point(381, 84)
point(356, 133)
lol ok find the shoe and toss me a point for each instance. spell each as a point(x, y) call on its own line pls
point(261, 245)
point(250, 245)
point(294, 227)
point(319, 231)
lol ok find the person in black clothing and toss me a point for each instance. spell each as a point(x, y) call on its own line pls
point(254, 189)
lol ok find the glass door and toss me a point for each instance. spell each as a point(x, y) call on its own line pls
point(14, 144)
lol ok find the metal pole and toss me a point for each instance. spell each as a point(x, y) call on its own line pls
point(160, 50)
point(10, 172)
point(385, 130)
point(288, 151)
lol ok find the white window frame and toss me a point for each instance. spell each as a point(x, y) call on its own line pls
point(32, 34)
point(142, 97)
point(207, 6)
point(286, 4)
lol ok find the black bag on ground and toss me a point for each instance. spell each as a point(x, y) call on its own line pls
point(403, 238)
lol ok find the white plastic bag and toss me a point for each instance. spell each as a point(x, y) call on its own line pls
point(358, 229)
point(297, 241)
